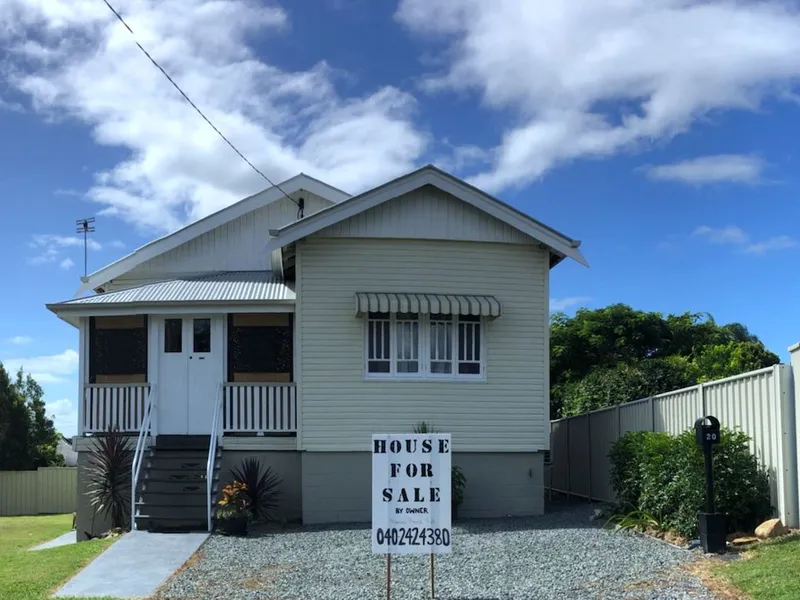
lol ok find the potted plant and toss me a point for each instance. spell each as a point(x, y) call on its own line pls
point(232, 510)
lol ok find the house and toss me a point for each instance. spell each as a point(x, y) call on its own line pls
point(294, 324)
point(64, 448)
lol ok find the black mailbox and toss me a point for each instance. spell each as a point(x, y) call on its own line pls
point(706, 431)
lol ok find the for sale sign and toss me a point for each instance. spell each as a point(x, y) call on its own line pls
point(411, 493)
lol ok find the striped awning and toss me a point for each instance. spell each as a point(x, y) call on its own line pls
point(442, 304)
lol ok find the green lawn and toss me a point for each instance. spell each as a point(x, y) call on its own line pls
point(34, 575)
point(771, 571)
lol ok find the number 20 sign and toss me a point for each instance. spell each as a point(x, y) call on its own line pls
point(411, 493)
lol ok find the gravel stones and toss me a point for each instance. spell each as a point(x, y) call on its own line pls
point(561, 555)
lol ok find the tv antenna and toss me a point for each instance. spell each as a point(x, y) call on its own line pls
point(85, 226)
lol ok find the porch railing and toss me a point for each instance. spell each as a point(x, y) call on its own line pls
point(120, 404)
point(259, 408)
point(141, 446)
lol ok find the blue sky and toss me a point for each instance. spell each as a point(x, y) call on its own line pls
point(661, 134)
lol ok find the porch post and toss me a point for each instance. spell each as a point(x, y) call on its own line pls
point(153, 337)
point(83, 370)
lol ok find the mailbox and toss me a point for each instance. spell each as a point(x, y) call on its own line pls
point(706, 431)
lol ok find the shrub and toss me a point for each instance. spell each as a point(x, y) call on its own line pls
point(458, 481)
point(663, 475)
point(234, 503)
point(261, 488)
point(109, 477)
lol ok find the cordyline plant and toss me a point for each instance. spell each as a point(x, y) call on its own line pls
point(261, 488)
point(109, 477)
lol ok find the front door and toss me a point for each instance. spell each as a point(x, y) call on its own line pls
point(190, 371)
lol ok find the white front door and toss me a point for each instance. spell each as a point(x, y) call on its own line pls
point(190, 373)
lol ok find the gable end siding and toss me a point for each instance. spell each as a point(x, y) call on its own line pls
point(427, 213)
point(341, 410)
point(235, 246)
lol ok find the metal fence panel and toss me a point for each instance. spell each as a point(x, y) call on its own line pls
point(579, 456)
point(675, 412)
point(559, 456)
point(604, 426)
point(636, 416)
point(46, 491)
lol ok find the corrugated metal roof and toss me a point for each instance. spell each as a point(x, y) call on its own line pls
point(232, 286)
point(444, 304)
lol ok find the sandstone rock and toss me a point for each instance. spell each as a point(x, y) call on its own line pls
point(770, 529)
point(744, 540)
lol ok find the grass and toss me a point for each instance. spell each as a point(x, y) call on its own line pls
point(35, 575)
point(771, 570)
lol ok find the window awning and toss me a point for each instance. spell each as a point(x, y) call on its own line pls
point(445, 304)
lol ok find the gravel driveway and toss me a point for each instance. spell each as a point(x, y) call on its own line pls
point(560, 555)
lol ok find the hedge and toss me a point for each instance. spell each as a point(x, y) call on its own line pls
point(663, 475)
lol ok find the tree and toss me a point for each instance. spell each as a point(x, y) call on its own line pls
point(28, 439)
point(617, 354)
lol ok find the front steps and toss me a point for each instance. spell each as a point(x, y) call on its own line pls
point(171, 494)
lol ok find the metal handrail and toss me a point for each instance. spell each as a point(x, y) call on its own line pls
point(212, 450)
point(138, 456)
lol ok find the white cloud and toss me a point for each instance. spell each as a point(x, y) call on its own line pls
point(118, 244)
point(737, 168)
point(54, 368)
point(77, 60)
point(20, 340)
point(560, 304)
point(65, 416)
point(735, 236)
point(67, 264)
point(63, 241)
point(594, 78)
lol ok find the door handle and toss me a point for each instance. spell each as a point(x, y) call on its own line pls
point(201, 358)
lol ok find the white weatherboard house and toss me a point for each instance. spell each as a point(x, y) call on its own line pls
point(294, 336)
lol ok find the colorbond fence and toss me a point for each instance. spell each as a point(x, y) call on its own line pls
point(49, 490)
point(760, 403)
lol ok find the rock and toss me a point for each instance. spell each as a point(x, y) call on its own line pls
point(744, 540)
point(770, 529)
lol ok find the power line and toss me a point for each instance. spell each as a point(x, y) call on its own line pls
point(200, 112)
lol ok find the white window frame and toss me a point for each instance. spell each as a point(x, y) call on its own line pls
point(423, 353)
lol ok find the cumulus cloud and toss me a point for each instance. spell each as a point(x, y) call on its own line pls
point(64, 414)
point(742, 241)
point(76, 60)
point(560, 304)
point(591, 79)
point(736, 168)
point(55, 368)
point(66, 264)
point(19, 340)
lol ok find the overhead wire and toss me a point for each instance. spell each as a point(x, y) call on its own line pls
point(200, 112)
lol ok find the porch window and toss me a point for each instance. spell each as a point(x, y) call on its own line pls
point(409, 345)
point(260, 347)
point(118, 349)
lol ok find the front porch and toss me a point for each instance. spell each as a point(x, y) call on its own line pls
point(227, 375)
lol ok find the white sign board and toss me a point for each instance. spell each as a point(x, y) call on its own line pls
point(411, 493)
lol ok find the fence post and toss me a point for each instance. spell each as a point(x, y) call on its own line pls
point(569, 473)
point(702, 391)
point(652, 405)
point(589, 436)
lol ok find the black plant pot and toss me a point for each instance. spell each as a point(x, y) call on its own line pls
point(233, 526)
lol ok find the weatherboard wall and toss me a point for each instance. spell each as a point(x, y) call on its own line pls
point(237, 245)
point(341, 409)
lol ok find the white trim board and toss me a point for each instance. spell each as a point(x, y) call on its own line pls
point(206, 224)
point(559, 244)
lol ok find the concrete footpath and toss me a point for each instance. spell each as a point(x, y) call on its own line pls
point(134, 566)
point(71, 537)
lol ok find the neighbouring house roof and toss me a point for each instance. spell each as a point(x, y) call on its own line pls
point(228, 287)
point(444, 304)
point(560, 245)
point(206, 224)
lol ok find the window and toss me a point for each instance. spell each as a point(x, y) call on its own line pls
point(173, 335)
point(202, 335)
point(117, 349)
point(260, 347)
point(407, 345)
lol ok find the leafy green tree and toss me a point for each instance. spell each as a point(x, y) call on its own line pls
point(617, 354)
point(28, 439)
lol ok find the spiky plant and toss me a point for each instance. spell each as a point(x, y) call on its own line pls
point(109, 477)
point(262, 489)
point(424, 427)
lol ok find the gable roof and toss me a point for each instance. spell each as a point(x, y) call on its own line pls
point(559, 244)
point(206, 224)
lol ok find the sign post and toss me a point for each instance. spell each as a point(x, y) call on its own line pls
point(411, 497)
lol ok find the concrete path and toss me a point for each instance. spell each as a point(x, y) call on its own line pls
point(71, 537)
point(134, 566)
